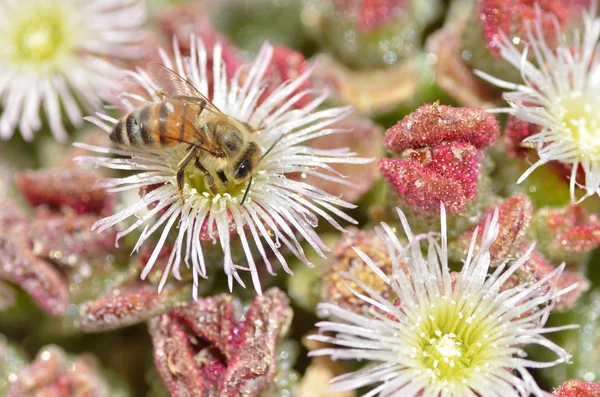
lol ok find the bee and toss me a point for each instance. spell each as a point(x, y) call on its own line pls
point(221, 147)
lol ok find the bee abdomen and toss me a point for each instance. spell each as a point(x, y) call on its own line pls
point(146, 127)
point(133, 130)
point(118, 135)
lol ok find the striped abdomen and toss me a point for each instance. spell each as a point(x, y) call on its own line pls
point(159, 125)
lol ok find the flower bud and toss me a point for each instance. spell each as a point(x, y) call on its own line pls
point(566, 234)
point(344, 260)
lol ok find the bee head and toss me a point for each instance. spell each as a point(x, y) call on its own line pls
point(247, 162)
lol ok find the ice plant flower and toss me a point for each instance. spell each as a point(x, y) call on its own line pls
point(277, 208)
point(559, 94)
point(53, 55)
point(443, 333)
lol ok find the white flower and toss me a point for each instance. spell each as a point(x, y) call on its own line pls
point(54, 55)
point(560, 94)
point(277, 208)
point(446, 334)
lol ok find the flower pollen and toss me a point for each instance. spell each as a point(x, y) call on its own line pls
point(455, 344)
point(582, 125)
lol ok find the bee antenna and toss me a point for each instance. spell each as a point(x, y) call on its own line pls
point(247, 190)
point(272, 146)
point(261, 157)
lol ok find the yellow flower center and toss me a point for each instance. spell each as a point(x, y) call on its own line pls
point(40, 42)
point(447, 346)
point(582, 119)
point(454, 342)
point(195, 181)
point(446, 355)
point(41, 34)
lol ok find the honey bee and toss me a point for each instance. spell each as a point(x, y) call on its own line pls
point(221, 147)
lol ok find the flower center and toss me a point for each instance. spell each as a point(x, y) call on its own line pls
point(446, 355)
point(41, 32)
point(195, 180)
point(454, 342)
point(582, 119)
point(40, 42)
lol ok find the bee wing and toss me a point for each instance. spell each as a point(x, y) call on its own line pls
point(202, 140)
point(176, 87)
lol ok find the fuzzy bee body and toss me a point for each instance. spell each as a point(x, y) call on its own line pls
point(223, 148)
point(159, 125)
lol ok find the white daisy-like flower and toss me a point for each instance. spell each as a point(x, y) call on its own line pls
point(275, 211)
point(560, 94)
point(55, 55)
point(443, 334)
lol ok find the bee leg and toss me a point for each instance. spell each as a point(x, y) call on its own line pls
point(160, 94)
point(197, 100)
point(180, 179)
point(222, 177)
point(210, 181)
point(181, 169)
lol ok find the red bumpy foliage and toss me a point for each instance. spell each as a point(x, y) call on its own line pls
point(440, 156)
point(202, 349)
point(578, 388)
